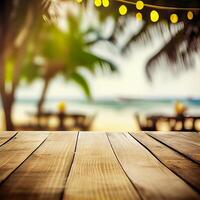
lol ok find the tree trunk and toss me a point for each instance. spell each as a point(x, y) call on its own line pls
point(6, 99)
point(43, 96)
point(7, 106)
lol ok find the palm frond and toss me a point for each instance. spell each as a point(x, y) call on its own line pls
point(82, 82)
point(177, 52)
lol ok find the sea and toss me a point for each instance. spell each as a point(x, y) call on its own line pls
point(139, 105)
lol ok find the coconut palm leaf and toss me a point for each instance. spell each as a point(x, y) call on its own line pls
point(179, 49)
point(82, 82)
point(79, 52)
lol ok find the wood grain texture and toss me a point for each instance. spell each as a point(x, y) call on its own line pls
point(44, 173)
point(5, 136)
point(96, 173)
point(193, 136)
point(183, 167)
point(185, 144)
point(152, 179)
point(89, 165)
point(13, 153)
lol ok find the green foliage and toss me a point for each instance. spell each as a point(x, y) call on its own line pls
point(79, 54)
point(80, 80)
point(29, 70)
point(53, 44)
point(63, 52)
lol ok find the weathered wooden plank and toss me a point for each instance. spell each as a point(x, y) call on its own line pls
point(192, 136)
point(183, 167)
point(96, 173)
point(13, 153)
point(151, 178)
point(44, 174)
point(5, 136)
point(180, 143)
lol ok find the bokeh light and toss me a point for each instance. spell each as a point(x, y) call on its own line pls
point(106, 3)
point(154, 16)
point(122, 10)
point(174, 18)
point(190, 15)
point(139, 5)
point(138, 16)
point(97, 3)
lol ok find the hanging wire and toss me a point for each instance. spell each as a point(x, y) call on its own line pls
point(159, 6)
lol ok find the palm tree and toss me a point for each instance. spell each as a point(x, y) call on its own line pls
point(64, 53)
point(19, 21)
point(179, 58)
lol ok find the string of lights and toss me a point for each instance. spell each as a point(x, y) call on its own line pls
point(154, 14)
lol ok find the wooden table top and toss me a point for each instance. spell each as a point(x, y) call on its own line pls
point(91, 165)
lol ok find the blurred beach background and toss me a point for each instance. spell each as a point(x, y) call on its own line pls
point(113, 97)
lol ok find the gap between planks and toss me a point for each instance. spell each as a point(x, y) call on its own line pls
point(6, 136)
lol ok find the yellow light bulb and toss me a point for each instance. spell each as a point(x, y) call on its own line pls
point(122, 10)
point(139, 5)
point(106, 3)
point(190, 15)
point(138, 16)
point(174, 18)
point(154, 16)
point(97, 3)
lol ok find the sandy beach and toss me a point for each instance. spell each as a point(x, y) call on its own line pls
point(103, 121)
